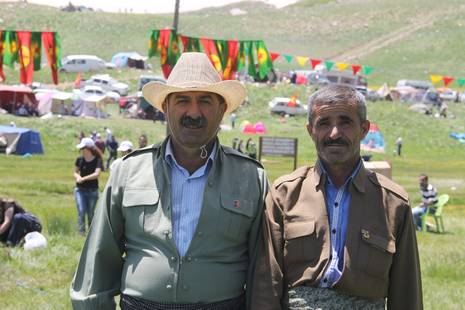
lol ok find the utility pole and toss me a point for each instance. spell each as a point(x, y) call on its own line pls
point(176, 16)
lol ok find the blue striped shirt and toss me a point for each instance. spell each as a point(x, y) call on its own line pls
point(337, 205)
point(187, 198)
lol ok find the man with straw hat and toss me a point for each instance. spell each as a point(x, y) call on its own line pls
point(178, 224)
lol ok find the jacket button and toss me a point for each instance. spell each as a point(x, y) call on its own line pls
point(189, 259)
point(169, 286)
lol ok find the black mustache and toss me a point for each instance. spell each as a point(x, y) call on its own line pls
point(339, 141)
point(198, 122)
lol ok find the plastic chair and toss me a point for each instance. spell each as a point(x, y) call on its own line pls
point(437, 215)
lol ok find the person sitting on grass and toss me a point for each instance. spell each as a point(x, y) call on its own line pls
point(15, 222)
point(429, 196)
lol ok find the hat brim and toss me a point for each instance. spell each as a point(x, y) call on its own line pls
point(233, 92)
point(80, 146)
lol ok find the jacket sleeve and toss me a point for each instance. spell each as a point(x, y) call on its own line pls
point(405, 291)
point(269, 290)
point(98, 275)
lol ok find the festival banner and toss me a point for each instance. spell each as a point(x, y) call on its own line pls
point(26, 72)
point(52, 46)
point(315, 62)
point(435, 78)
point(36, 48)
point(231, 63)
point(2, 37)
point(447, 80)
point(264, 60)
point(342, 66)
point(302, 60)
point(274, 56)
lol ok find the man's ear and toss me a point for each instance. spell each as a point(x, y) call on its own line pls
point(310, 130)
point(365, 128)
point(164, 106)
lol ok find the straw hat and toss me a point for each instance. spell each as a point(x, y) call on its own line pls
point(195, 72)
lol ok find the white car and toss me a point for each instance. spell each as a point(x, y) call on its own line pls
point(84, 63)
point(107, 83)
point(285, 106)
point(93, 90)
point(449, 95)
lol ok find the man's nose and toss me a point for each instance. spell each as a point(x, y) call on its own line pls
point(335, 132)
point(194, 109)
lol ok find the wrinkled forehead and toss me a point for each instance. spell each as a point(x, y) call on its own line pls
point(334, 109)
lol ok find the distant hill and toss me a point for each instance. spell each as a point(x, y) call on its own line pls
point(400, 39)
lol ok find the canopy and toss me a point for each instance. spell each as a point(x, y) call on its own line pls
point(374, 141)
point(21, 140)
point(12, 97)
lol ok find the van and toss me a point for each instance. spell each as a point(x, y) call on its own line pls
point(83, 63)
point(321, 76)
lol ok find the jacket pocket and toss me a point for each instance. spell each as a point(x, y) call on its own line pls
point(235, 217)
point(376, 252)
point(140, 207)
point(300, 241)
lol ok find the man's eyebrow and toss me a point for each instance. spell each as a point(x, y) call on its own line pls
point(322, 119)
point(181, 97)
point(207, 96)
point(345, 118)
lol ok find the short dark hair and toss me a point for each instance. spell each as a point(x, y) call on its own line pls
point(333, 94)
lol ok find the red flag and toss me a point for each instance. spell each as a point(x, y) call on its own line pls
point(231, 62)
point(52, 50)
point(315, 62)
point(356, 68)
point(184, 41)
point(274, 56)
point(447, 80)
point(26, 72)
point(210, 49)
point(163, 44)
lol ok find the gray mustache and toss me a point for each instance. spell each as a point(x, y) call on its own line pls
point(198, 122)
point(335, 142)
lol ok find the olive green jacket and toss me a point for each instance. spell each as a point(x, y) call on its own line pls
point(130, 248)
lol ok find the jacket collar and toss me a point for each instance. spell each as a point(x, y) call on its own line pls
point(321, 177)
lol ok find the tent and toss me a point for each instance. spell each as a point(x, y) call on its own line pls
point(13, 97)
point(21, 140)
point(374, 141)
point(129, 59)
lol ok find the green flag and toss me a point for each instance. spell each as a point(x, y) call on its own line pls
point(288, 58)
point(461, 82)
point(264, 60)
point(173, 49)
point(36, 49)
point(10, 48)
point(153, 44)
point(251, 65)
point(241, 56)
point(367, 70)
point(223, 51)
point(329, 65)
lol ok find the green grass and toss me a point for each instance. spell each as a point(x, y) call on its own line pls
point(44, 184)
point(315, 28)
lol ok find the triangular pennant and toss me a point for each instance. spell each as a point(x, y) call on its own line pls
point(341, 66)
point(367, 70)
point(461, 82)
point(435, 78)
point(288, 58)
point(274, 56)
point(355, 69)
point(315, 62)
point(447, 80)
point(302, 60)
point(329, 65)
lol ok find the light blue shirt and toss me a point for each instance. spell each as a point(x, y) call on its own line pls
point(187, 198)
point(337, 205)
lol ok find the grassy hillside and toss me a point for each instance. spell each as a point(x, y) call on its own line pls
point(400, 39)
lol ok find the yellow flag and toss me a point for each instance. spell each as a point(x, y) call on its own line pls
point(435, 78)
point(302, 60)
point(342, 66)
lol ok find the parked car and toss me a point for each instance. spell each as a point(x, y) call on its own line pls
point(107, 83)
point(84, 63)
point(448, 94)
point(286, 106)
point(144, 79)
point(91, 90)
point(418, 84)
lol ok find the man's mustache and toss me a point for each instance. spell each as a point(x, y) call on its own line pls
point(339, 141)
point(190, 122)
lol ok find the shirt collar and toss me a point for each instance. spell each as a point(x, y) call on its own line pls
point(357, 177)
point(171, 160)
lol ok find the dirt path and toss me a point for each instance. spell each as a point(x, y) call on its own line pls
point(387, 39)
